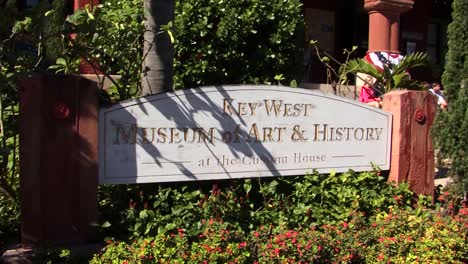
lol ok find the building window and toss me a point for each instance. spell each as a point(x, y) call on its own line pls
point(432, 32)
point(320, 26)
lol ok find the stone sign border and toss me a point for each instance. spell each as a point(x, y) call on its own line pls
point(240, 174)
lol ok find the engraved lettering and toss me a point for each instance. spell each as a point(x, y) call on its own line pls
point(253, 107)
point(297, 109)
point(227, 107)
point(242, 109)
point(128, 136)
point(339, 135)
point(287, 110)
point(378, 132)
point(144, 135)
point(267, 134)
point(254, 133)
point(318, 131)
point(162, 135)
point(227, 137)
point(307, 158)
point(298, 134)
point(280, 133)
point(347, 132)
point(305, 108)
point(359, 135)
point(274, 106)
point(204, 135)
point(369, 134)
point(175, 136)
point(186, 135)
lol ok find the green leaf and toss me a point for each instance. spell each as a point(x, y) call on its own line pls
point(90, 15)
point(293, 83)
point(247, 186)
point(22, 25)
point(49, 12)
point(137, 226)
point(170, 226)
point(106, 224)
point(171, 36)
point(143, 214)
point(61, 61)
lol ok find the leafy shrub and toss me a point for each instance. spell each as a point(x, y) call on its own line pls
point(338, 218)
point(109, 38)
point(219, 42)
point(401, 235)
point(451, 125)
point(215, 42)
point(288, 201)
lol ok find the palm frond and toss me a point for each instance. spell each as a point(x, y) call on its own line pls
point(410, 84)
point(413, 60)
point(362, 66)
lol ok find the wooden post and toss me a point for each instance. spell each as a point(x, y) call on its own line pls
point(412, 157)
point(58, 159)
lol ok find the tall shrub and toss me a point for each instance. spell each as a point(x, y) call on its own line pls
point(452, 125)
point(215, 42)
point(219, 41)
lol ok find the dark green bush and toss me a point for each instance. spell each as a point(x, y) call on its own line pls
point(231, 42)
point(215, 42)
point(401, 235)
point(451, 125)
point(313, 199)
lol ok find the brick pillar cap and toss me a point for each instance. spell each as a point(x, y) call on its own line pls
point(393, 6)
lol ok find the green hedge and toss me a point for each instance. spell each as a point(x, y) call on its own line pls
point(231, 42)
point(337, 218)
point(148, 210)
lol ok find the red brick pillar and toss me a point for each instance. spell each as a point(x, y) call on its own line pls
point(412, 156)
point(58, 159)
point(384, 23)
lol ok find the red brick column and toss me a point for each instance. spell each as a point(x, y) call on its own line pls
point(384, 23)
point(412, 156)
point(58, 159)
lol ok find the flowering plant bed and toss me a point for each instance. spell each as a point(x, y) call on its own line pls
point(337, 218)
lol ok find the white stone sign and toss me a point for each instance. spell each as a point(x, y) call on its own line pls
point(238, 132)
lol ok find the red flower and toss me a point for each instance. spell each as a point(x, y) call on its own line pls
point(345, 225)
point(256, 234)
